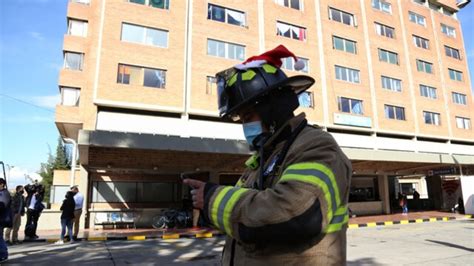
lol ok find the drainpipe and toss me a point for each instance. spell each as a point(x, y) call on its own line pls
point(73, 163)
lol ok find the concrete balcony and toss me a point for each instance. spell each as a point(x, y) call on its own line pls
point(78, 10)
point(68, 121)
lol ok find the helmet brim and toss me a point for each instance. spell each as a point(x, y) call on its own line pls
point(298, 84)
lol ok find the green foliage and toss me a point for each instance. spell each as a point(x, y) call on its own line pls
point(58, 162)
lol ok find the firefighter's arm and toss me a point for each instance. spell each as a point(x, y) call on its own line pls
point(303, 204)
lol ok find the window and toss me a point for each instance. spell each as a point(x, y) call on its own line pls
point(306, 99)
point(290, 31)
point(289, 64)
point(463, 122)
point(382, 6)
point(73, 61)
point(134, 192)
point(459, 98)
point(428, 92)
point(432, 118)
point(144, 35)
point(384, 30)
point(421, 42)
point(394, 112)
point(141, 76)
point(295, 4)
point(211, 85)
point(226, 15)
point(341, 16)
point(344, 45)
point(451, 52)
point(70, 96)
point(347, 74)
point(448, 31)
point(391, 84)
point(347, 105)
point(387, 56)
point(86, 2)
point(77, 28)
point(418, 19)
point(455, 75)
point(423, 66)
point(163, 4)
point(225, 50)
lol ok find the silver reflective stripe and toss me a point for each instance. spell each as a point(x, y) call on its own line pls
point(220, 209)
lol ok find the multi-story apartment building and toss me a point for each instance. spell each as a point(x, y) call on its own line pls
point(139, 93)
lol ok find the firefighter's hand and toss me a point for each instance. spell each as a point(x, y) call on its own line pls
point(197, 192)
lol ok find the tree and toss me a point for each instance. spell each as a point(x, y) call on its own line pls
point(46, 172)
point(60, 161)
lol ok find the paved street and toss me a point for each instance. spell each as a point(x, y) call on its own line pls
point(439, 243)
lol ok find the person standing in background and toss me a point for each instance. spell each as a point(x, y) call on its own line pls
point(79, 201)
point(5, 217)
point(18, 209)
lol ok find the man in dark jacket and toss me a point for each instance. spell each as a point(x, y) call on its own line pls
point(18, 210)
point(4, 217)
point(67, 216)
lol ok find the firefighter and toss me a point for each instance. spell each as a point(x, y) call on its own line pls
point(290, 205)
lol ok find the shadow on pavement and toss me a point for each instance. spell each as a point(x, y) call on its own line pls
point(450, 245)
point(363, 261)
point(149, 252)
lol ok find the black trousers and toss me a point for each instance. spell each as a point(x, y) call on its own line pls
point(32, 217)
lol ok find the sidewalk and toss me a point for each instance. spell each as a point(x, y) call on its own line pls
point(148, 233)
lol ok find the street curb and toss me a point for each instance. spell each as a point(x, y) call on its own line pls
point(206, 234)
point(411, 221)
point(165, 236)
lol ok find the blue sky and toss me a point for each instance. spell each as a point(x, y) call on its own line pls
point(31, 35)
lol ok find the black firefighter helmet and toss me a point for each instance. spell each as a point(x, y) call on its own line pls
point(247, 84)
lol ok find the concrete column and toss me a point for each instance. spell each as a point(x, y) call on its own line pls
point(384, 193)
point(83, 184)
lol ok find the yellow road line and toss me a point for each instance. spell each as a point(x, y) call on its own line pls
point(353, 226)
point(170, 236)
point(418, 221)
point(388, 223)
point(432, 219)
point(371, 224)
point(135, 237)
point(204, 235)
point(404, 222)
point(445, 218)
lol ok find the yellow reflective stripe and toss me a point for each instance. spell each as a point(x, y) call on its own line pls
point(230, 207)
point(239, 183)
point(313, 181)
point(216, 203)
point(232, 80)
point(331, 228)
point(341, 210)
point(252, 162)
point(323, 168)
point(248, 75)
point(269, 68)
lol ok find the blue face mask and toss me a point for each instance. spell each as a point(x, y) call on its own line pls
point(252, 130)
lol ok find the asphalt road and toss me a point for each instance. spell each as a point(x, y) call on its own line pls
point(439, 243)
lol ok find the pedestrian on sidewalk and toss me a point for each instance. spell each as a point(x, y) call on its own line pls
point(67, 216)
point(404, 204)
point(35, 207)
point(18, 210)
point(5, 217)
point(79, 201)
